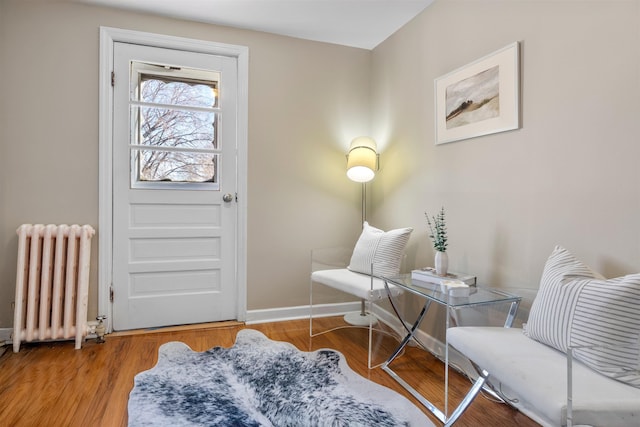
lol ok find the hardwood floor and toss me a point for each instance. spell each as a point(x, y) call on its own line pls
point(53, 384)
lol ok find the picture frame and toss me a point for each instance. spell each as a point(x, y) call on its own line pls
point(480, 98)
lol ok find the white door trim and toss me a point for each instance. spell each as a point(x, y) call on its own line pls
point(108, 36)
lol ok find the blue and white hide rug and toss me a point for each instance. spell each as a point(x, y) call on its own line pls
point(259, 382)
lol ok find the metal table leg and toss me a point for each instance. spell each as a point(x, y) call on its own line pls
point(481, 381)
point(411, 331)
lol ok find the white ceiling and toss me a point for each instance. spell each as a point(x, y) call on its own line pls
point(357, 23)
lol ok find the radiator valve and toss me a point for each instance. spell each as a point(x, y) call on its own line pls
point(100, 329)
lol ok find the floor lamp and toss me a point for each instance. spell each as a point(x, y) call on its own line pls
point(362, 164)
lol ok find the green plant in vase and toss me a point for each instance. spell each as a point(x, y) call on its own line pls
point(438, 234)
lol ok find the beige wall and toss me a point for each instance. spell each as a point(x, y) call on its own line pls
point(306, 101)
point(569, 176)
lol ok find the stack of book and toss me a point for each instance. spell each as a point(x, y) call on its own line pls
point(454, 284)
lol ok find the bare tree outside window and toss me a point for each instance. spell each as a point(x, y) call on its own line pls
point(176, 128)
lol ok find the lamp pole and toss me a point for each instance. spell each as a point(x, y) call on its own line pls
point(364, 202)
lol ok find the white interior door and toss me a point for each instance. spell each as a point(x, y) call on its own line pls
point(174, 191)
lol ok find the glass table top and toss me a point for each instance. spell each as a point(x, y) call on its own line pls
point(476, 295)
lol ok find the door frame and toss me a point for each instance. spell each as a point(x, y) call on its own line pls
point(109, 36)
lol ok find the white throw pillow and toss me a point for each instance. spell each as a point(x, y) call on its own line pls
point(382, 249)
point(576, 307)
point(549, 319)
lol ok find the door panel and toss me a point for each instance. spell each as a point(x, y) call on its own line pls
point(174, 243)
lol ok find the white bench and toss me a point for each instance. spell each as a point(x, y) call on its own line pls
point(533, 378)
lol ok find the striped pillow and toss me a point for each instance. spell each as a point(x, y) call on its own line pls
point(549, 317)
point(577, 307)
point(382, 249)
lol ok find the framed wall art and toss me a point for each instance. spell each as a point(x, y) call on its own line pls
point(480, 98)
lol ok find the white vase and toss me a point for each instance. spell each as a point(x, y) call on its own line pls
point(442, 263)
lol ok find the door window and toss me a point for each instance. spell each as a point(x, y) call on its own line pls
point(174, 127)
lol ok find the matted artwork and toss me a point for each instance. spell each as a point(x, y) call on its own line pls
point(480, 98)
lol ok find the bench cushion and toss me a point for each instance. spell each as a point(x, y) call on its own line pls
point(574, 307)
point(534, 377)
point(354, 283)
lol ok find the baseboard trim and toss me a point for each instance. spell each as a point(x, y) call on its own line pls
point(302, 312)
point(5, 334)
point(433, 345)
point(299, 312)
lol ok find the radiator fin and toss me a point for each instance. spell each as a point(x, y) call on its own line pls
point(52, 283)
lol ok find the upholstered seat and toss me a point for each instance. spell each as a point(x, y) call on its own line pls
point(576, 360)
point(533, 378)
point(361, 285)
point(344, 281)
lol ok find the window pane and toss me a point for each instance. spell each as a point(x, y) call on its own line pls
point(175, 166)
point(163, 127)
point(163, 90)
point(173, 125)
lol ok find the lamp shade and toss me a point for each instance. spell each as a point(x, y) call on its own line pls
point(362, 159)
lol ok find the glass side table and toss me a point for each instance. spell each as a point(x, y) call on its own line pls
point(477, 297)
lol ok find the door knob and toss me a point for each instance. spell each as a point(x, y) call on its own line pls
point(227, 197)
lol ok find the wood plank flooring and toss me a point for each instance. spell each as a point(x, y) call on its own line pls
point(53, 384)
